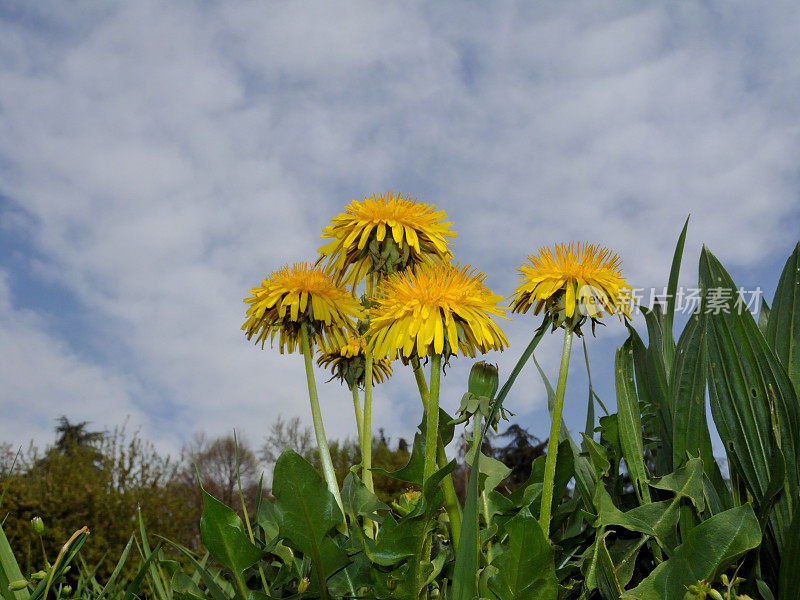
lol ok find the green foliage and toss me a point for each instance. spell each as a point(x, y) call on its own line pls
point(641, 508)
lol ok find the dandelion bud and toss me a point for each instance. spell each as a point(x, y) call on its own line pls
point(407, 502)
point(303, 585)
point(19, 584)
point(38, 525)
point(66, 590)
point(483, 379)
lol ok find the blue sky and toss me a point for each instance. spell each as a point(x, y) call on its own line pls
point(158, 159)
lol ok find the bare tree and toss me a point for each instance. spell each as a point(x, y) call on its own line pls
point(284, 434)
point(216, 462)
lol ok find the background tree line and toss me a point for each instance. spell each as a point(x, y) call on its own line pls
point(103, 479)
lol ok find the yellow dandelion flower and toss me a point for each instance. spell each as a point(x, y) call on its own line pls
point(296, 296)
point(348, 364)
point(437, 309)
point(582, 276)
point(384, 234)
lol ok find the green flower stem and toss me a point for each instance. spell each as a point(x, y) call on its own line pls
point(555, 429)
point(431, 444)
point(451, 503)
point(359, 420)
point(432, 418)
point(366, 430)
point(319, 428)
point(476, 435)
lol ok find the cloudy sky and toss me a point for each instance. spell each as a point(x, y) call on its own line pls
point(158, 159)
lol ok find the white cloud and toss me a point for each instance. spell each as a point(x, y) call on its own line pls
point(170, 155)
point(43, 379)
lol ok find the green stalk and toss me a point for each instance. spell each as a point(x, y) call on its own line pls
point(359, 420)
point(319, 428)
point(432, 418)
point(451, 503)
point(555, 429)
point(366, 432)
point(431, 446)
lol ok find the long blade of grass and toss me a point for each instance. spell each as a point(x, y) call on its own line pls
point(9, 571)
point(133, 587)
point(109, 587)
point(156, 577)
point(209, 580)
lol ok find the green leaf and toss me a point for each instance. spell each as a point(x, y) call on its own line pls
point(763, 318)
point(690, 434)
point(709, 548)
point(9, 571)
point(629, 420)
point(413, 471)
point(789, 575)
point(615, 564)
point(690, 431)
point(653, 392)
point(686, 482)
point(492, 471)
point(530, 491)
point(525, 570)
point(358, 500)
point(397, 541)
point(268, 521)
point(657, 519)
point(783, 326)
point(608, 584)
point(225, 537)
point(184, 588)
point(669, 313)
point(306, 512)
point(598, 456)
point(348, 581)
point(754, 404)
